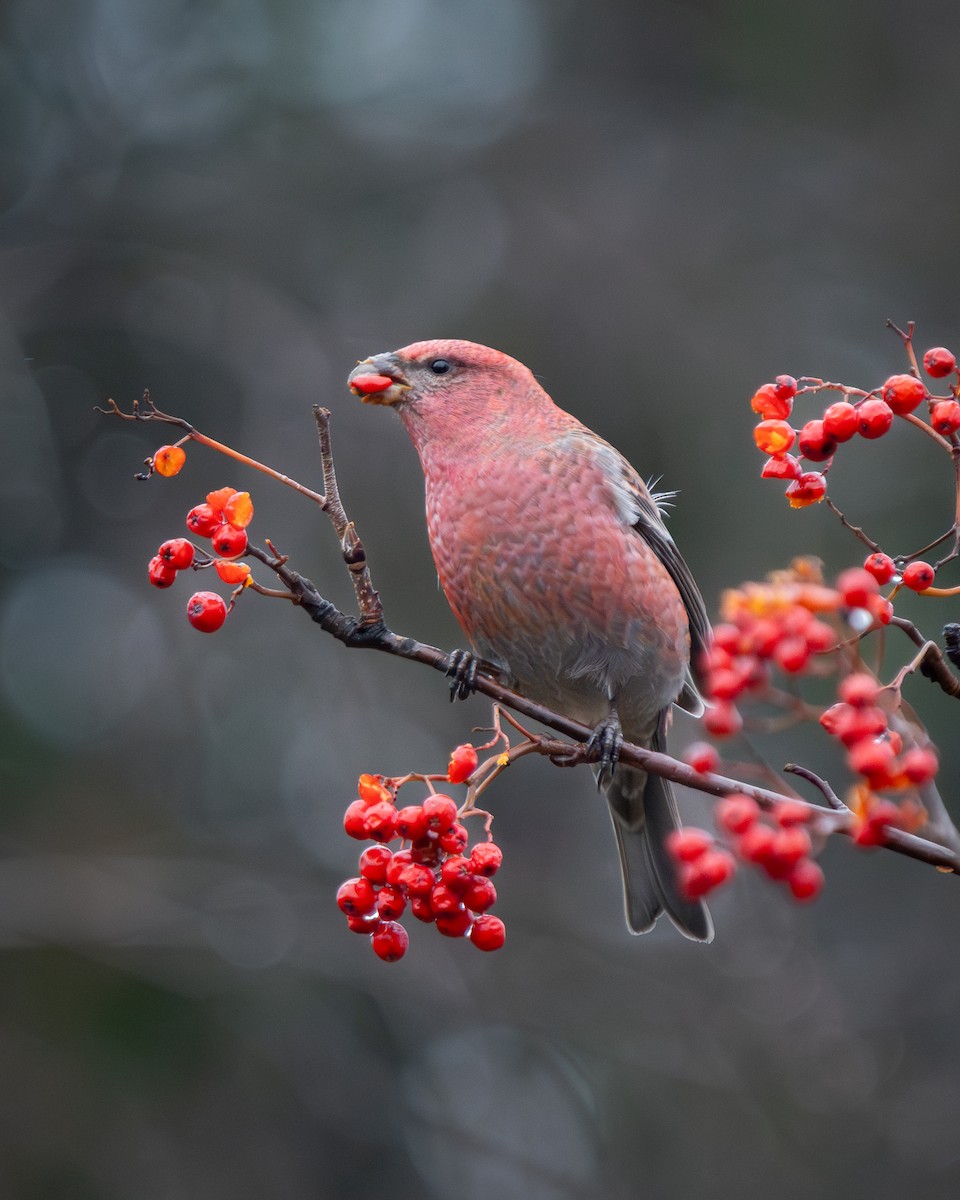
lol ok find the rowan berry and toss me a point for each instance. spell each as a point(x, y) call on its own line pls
point(160, 573)
point(785, 387)
point(756, 843)
point(486, 858)
point(440, 811)
point(177, 553)
point(206, 611)
point(788, 847)
point(229, 542)
point(463, 763)
point(903, 393)
point(702, 757)
point(391, 903)
point(805, 880)
point(398, 864)
point(874, 759)
point(722, 719)
point(232, 572)
point(820, 637)
point(426, 849)
point(355, 820)
point(368, 923)
point(203, 520)
point(881, 609)
point(416, 878)
point(814, 442)
point(453, 840)
point(390, 941)
point(480, 895)
point(810, 488)
point(688, 844)
point(381, 821)
point(488, 933)
point(840, 421)
point(372, 790)
point(454, 924)
point(774, 437)
point(712, 869)
point(736, 813)
point(856, 586)
point(876, 417)
point(791, 812)
point(945, 417)
point(781, 466)
point(880, 566)
point(369, 385)
point(218, 499)
point(939, 362)
point(770, 405)
point(918, 576)
point(859, 690)
point(871, 829)
point(457, 873)
point(238, 510)
point(444, 899)
point(792, 654)
point(420, 907)
point(169, 460)
point(356, 897)
point(412, 822)
point(374, 861)
point(726, 683)
point(919, 764)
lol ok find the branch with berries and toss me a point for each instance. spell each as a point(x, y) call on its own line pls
point(774, 636)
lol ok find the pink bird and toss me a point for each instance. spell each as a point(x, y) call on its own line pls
point(555, 559)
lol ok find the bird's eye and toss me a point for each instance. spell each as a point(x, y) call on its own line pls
point(440, 366)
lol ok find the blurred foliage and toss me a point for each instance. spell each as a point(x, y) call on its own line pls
point(656, 205)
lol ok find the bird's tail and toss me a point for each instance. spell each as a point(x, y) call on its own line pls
point(644, 813)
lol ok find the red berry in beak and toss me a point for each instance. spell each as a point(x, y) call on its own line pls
point(370, 385)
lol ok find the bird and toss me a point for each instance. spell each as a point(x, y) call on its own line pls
point(556, 560)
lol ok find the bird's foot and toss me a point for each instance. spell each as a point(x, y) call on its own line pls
point(462, 669)
point(605, 742)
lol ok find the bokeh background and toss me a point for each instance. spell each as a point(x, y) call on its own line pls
point(656, 205)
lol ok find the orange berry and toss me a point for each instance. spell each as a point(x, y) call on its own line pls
point(238, 510)
point(169, 460)
point(218, 499)
point(774, 437)
point(810, 488)
point(232, 572)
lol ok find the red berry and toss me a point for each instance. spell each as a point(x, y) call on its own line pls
point(454, 924)
point(416, 878)
point(169, 460)
point(463, 763)
point(785, 387)
point(856, 586)
point(486, 858)
point(770, 404)
point(374, 861)
point(412, 822)
point(736, 813)
point(805, 880)
point(876, 417)
point(792, 654)
point(369, 385)
point(945, 417)
point(880, 566)
point(177, 553)
point(688, 844)
point(355, 821)
point(457, 873)
point(228, 541)
point(440, 811)
point(398, 864)
point(862, 724)
point(390, 903)
point(791, 812)
point(381, 821)
point(871, 830)
point(390, 941)
point(810, 488)
point(789, 846)
point(820, 637)
point(726, 684)
point(488, 933)
point(368, 923)
point(453, 840)
point(872, 759)
point(938, 362)
point(881, 609)
point(702, 757)
point(919, 764)
point(840, 421)
point(859, 689)
point(356, 897)
point(708, 872)
point(722, 719)
point(206, 611)
point(160, 574)
point(203, 520)
point(815, 443)
point(774, 437)
point(903, 393)
point(781, 466)
point(420, 907)
point(444, 899)
point(426, 850)
point(480, 895)
point(918, 576)
point(756, 843)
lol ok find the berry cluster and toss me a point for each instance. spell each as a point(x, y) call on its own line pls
point(857, 413)
point(431, 872)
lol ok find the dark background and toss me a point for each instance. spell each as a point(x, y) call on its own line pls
point(656, 206)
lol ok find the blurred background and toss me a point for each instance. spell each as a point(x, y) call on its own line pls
point(657, 206)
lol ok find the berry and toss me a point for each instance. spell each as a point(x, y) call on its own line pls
point(815, 443)
point(702, 757)
point(789, 846)
point(203, 520)
point(726, 684)
point(416, 878)
point(770, 404)
point(370, 385)
point(840, 421)
point(774, 437)
point(420, 907)
point(390, 941)
point(810, 488)
point(372, 790)
point(856, 586)
point(918, 576)
point(708, 872)
point(871, 829)
point(453, 840)
point(381, 821)
point(169, 460)
point(872, 759)
point(398, 864)
point(229, 542)
point(781, 466)
point(880, 566)
point(785, 387)
point(238, 510)
point(355, 821)
point(218, 499)
point(480, 895)
point(412, 822)
point(486, 858)
point(736, 813)
point(444, 899)
point(756, 844)
point(231, 572)
point(374, 862)
point(722, 719)
point(457, 873)
point(805, 881)
point(356, 897)
point(463, 763)
point(876, 417)
point(903, 393)
point(454, 924)
point(206, 611)
point(368, 923)
point(161, 574)
point(440, 811)
point(792, 654)
point(858, 690)
point(919, 764)
point(488, 933)
point(688, 844)
point(391, 903)
point(177, 553)
point(787, 813)
point(945, 417)
point(938, 362)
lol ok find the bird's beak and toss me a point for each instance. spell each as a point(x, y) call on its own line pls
point(378, 380)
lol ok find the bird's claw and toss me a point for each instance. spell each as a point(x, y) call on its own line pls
point(462, 670)
point(606, 741)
